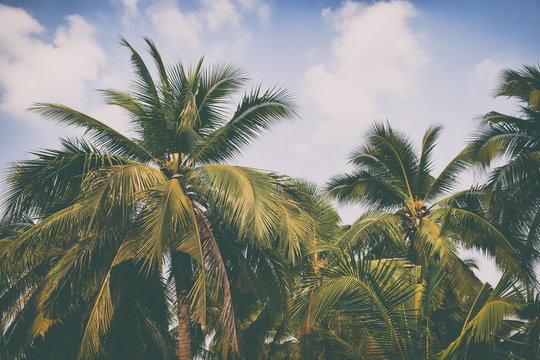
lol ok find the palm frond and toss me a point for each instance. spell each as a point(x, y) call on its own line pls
point(424, 178)
point(244, 196)
point(256, 113)
point(101, 134)
point(487, 313)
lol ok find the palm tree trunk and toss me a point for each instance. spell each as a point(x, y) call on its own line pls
point(181, 266)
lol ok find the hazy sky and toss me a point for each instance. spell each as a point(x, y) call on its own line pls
point(348, 63)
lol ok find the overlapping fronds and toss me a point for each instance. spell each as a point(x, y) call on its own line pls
point(486, 315)
point(363, 298)
point(247, 198)
point(374, 230)
point(39, 187)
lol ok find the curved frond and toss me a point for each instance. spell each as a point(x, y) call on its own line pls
point(486, 315)
point(101, 134)
point(246, 197)
point(256, 113)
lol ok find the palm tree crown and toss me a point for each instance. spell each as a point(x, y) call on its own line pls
point(148, 204)
point(409, 215)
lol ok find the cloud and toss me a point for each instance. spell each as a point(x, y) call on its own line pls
point(485, 75)
point(374, 56)
point(263, 10)
point(218, 13)
point(130, 7)
point(197, 27)
point(264, 13)
point(177, 27)
point(37, 69)
point(130, 11)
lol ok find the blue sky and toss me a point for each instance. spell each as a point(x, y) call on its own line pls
point(348, 63)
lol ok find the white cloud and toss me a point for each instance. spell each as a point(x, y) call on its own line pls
point(178, 27)
point(485, 75)
point(195, 28)
point(263, 10)
point(218, 13)
point(35, 69)
point(130, 7)
point(130, 11)
point(375, 55)
point(264, 14)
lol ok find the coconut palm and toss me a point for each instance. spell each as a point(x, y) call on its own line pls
point(373, 309)
point(513, 189)
point(489, 311)
point(146, 206)
point(413, 214)
point(51, 182)
point(356, 309)
point(262, 281)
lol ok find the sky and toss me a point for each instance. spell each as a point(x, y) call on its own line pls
point(347, 63)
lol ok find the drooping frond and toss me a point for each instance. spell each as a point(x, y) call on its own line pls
point(374, 230)
point(245, 197)
point(365, 188)
point(475, 229)
point(215, 266)
point(100, 134)
point(39, 187)
point(168, 217)
point(487, 312)
point(102, 309)
point(524, 84)
point(367, 298)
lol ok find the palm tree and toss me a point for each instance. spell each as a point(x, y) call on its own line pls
point(513, 189)
point(356, 309)
point(370, 309)
point(408, 216)
point(489, 311)
point(147, 206)
point(49, 332)
point(262, 281)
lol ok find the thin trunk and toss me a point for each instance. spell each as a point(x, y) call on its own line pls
point(181, 264)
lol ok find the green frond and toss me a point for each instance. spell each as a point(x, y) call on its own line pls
point(218, 83)
point(373, 230)
point(447, 179)
point(158, 61)
point(101, 313)
point(215, 266)
point(393, 152)
point(256, 113)
point(125, 101)
point(245, 197)
point(424, 178)
point(101, 134)
point(145, 90)
point(365, 188)
point(486, 315)
point(368, 296)
point(39, 187)
point(168, 217)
